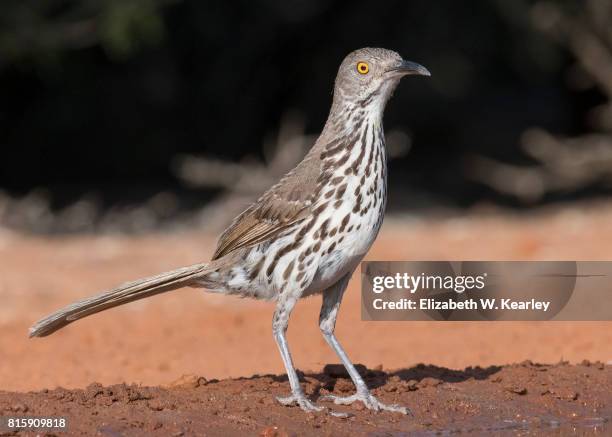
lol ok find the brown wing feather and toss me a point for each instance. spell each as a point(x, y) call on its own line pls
point(283, 205)
point(260, 224)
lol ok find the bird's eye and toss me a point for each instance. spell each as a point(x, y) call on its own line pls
point(363, 67)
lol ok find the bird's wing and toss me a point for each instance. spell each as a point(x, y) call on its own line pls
point(283, 205)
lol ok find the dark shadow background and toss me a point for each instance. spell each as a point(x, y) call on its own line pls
point(100, 96)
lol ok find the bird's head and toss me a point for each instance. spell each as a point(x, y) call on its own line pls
point(369, 76)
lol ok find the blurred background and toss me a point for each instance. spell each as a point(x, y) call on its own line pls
point(132, 132)
point(133, 114)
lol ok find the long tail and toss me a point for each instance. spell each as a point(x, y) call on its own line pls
point(128, 292)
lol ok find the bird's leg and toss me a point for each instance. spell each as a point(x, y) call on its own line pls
point(327, 323)
point(279, 328)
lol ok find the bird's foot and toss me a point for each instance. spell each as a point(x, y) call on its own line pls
point(368, 400)
point(306, 405)
point(301, 400)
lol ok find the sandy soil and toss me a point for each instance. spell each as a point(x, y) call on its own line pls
point(524, 399)
point(154, 342)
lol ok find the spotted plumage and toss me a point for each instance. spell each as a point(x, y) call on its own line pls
point(306, 234)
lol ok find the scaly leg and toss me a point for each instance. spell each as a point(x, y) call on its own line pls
point(327, 323)
point(279, 328)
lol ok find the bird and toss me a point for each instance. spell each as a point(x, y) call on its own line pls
point(307, 233)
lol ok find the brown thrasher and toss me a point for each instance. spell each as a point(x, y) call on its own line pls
point(308, 232)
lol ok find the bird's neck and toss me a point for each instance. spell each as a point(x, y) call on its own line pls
point(349, 110)
point(348, 118)
point(354, 143)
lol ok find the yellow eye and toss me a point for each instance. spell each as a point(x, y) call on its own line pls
point(363, 67)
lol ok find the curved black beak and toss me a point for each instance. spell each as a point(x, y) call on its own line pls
point(412, 68)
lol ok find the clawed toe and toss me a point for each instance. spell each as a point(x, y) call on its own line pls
point(368, 400)
point(309, 407)
point(301, 400)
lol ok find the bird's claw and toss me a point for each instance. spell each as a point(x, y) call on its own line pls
point(301, 400)
point(309, 407)
point(368, 400)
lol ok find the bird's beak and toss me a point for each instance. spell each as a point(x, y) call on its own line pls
point(412, 68)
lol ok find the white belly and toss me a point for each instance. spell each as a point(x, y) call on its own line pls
point(349, 247)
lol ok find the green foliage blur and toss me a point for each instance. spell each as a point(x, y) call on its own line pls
point(39, 32)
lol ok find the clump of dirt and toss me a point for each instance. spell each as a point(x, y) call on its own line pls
point(527, 397)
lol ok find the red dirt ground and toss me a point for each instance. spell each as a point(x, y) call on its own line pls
point(154, 342)
point(523, 399)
